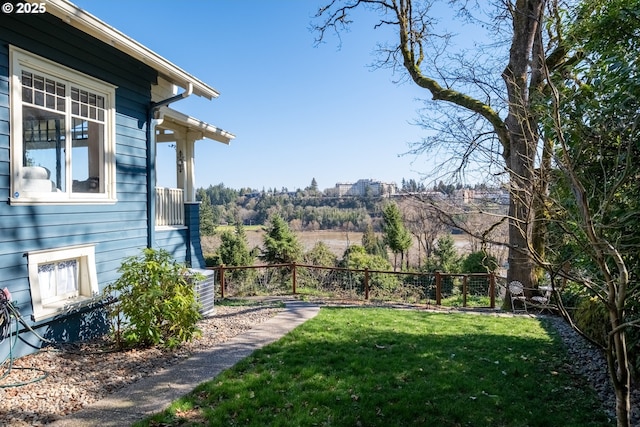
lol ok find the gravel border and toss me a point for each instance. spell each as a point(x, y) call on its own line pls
point(590, 362)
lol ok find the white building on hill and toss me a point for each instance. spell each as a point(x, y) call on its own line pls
point(366, 187)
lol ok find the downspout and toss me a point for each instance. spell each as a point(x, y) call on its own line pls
point(154, 120)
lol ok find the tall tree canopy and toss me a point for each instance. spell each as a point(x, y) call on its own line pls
point(594, 204)
point(492, 118)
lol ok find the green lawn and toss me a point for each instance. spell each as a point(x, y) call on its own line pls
point(385, 367)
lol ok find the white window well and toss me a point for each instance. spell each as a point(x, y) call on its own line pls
point(62, 133)
point(61, 279)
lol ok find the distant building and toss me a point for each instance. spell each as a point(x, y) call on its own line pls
point(366, 187)
point(495, 195)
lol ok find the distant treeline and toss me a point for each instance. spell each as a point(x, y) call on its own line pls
point(303, 210)
point(307, 209)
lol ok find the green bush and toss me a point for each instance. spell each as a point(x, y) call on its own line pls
point(479, 262)
point(572, 293)
point(154, 302)
point(212, 260)
point(592, 319)
point(357, 258)
point(633, 337)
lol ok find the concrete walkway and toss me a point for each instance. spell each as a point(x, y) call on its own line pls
point(154, 393)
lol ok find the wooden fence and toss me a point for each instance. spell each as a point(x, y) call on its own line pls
point(462, 290)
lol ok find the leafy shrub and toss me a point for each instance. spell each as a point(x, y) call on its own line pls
point(154, 302)
point(633, 337)
point(357, 258)
point(212, 260)
point(592, 319)
point(572, 293)
point(320, 255)
point(479, 262)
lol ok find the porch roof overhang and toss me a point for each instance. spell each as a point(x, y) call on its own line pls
point(176, 121)
point(89, 24)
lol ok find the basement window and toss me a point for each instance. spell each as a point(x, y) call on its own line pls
point(61, 279)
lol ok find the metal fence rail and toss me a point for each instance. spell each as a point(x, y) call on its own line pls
point(331, 283)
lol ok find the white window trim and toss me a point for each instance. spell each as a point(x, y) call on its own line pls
point(87, 279)
point(20, 59)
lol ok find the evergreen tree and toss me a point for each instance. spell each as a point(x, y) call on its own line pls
point(372, 243)
point(445, 257)
point(396, 236)
point(281, 246)
point(321, 255)
point(234, 247)
point(207, 223)
point(220, 195)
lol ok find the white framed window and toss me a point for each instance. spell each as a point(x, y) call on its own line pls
point(61, 279)
point(62, 133)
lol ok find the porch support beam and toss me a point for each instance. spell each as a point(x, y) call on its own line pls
point(185, 170)
point(190, 165)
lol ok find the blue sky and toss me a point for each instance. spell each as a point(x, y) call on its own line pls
point(298, 111)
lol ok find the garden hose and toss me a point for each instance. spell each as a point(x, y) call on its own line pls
point(9, 315)
point(7, 311)
point(5, 320)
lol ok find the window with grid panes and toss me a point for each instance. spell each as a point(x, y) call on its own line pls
point(62, 133)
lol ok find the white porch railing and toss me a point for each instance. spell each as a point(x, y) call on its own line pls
point(169, 206)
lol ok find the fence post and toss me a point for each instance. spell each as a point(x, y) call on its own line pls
point(293, 276)
point(438, 288)
point(221, 274)
point(465, 289)
point(492, 290)
point(366, 284)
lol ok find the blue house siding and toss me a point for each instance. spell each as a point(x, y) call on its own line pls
point(194, 248)
point(183, 243)
point(174, 241)
point(117, 230)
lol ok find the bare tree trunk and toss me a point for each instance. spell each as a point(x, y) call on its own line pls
point(523, 135)
point(618, 364)
point(541, 216)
